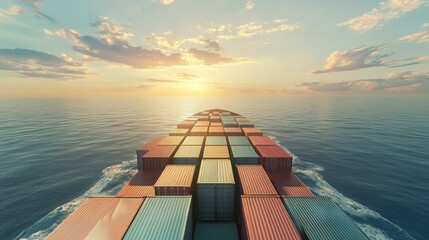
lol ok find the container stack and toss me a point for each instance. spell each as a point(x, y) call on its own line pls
point(218, 148)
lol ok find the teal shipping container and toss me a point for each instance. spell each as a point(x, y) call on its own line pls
point(320, 218)
point(238, 141)
point(216, 191)
point(216, 141)
point(216, 231)
point(246, 124)
point(187, 155)
point(167, 218)
point(244, 155)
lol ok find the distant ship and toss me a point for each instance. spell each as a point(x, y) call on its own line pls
point(216, 176)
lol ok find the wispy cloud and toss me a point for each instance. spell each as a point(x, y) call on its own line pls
point(365, 57)
point(420, 37)
point(249, 5)
point(399, 81)
point(157, 80)
point(34, 7)
point(212, 58)
point(14, 10)
point(186, 76)
point(31, 63)
point(385, 11)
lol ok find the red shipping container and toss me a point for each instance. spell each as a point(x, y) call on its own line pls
point(275, 159)
point(233, 131)
point(261, 141)
point(215, 118)
point(158, 157)
point(141, 185)
point(175, 180)
point(265, 217)
point(145, 148)
point(287, 184)
point(254, 180)
point(252, 131)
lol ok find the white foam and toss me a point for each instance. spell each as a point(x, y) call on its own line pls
point(112, 179)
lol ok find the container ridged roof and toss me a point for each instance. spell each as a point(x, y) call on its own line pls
point(161, 218)
point(216, 152)
point(176, 176)
point(243, 152)
point(216, 171)
point(238, 140)
point(216, 140)
point(171, 140)
point(320, 218)
point(254, 180)
point(188, 152)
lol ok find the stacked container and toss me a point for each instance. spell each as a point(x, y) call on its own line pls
point(216, 231)
point(145, 148)
point(157, 158)
point(141, 185)
point(193, 141)
point(321, 218)
point(216, 131)
point(233, 131)
point(216, 141)
point(186, 124)
point(254, 181)
point(162, 218)
point(92, 220)
point(275, 159)
point(252, 131)
point(244, 155)
point(202, 124)
point(175, 180)
point(216, 191)
point(216, 152)
point(199, 131)
point(261, 141)
point(238, 141)
point(187, 155)
point(287, 184)
point(179, 132)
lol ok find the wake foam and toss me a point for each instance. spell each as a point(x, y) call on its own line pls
point(112, 179)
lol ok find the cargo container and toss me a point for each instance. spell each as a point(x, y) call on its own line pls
point(215, 118)
point(226, 113)
point(186, 124)
point(261, 141)
point(321, 218)
point(199, 131)
point(175, 180)
point(216, 113)
point(193, 118)
point(166, 218)
point(238, 141)
point(287, 184)
point(227, 118)
point(244, 155)
point(216, 124)
point(157, 158)
point(216, 131)
point(246, 124)
point(252, 131)
point(193, 141)
point(179, 132)
point(233, 131)
point(275, 159)
point(254, 181)
point(171, 141)
point(216, 152)
point(216, 191)
point(265, 217)
point(216, 141)
point(187, 155)
point(145, 148)
point(104, 218)
point(230, 124)
point(203, 118)
point(216, 231)
point(202, 124)
point(241, 119)
point(141, 185)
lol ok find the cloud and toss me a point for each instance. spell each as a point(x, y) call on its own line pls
point(249, 5)
point(425, 25)
point(14, 10)
point(31, 63)
point(186, 76)
point(399, 81)
point(166, 2)
point(228, 32)
point(385, 11)
point(112, 45)
point(357, 58)
point(213, 58)
point(213, 45)
point(420, 37)
point(156, 80)
point(34, 7)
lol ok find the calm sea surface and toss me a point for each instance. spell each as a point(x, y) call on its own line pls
point(371, 155)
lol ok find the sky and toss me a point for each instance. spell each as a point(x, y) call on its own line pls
point(213, 48)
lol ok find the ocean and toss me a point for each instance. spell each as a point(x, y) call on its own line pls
point(369, 154)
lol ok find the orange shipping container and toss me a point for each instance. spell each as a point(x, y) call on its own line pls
point(199, 131)
point(216, 152)
point(171, 141)
point(175, 180)
point(179, 132)
point(141, 185)
point(233, 131)
point(186, 124)
point(216, 131)
point(252, 131)
point(145, 148)
point(158, 157)
point(202, 124)
point(106, 218)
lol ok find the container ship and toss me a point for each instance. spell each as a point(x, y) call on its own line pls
point(215, 176)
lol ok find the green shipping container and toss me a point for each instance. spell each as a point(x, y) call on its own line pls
point(216, 141)
point(246, 124)
point(320, 218)
point(216, 191)
point(187, 155)
point(215, 231)
point(238, 141)
point(244, 155)
point(168, 218)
